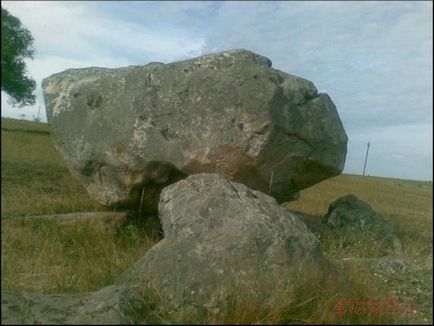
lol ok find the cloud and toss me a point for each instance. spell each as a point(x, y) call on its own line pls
point(71, 30)
point(373, 58)
point(69, 35)
point(404, 151)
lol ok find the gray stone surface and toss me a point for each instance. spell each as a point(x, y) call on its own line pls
point(112, 305)
point(350, 216)
point(222, 237)
point(128, 132)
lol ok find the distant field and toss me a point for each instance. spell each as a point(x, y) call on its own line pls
point(35, 179)
point(25, 126)
point(45, 256)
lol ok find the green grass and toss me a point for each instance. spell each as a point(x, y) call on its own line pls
point(35, 180)
point(45, 256)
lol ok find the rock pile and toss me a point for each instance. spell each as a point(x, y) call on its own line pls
point(228, 138)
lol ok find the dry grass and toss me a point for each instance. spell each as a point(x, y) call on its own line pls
point(408, 204)
point(35, 180)
point(42, 255)
point(246, 306)
point(45, 256)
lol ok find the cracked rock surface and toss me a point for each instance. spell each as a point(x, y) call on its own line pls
point(128, 132)
point(221, 236)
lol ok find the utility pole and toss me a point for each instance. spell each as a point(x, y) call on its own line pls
point(366, 158)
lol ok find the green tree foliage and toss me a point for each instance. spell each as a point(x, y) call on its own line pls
point(16, 45)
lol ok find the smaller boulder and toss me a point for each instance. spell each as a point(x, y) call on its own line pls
point(351, 216)
point(221, 239)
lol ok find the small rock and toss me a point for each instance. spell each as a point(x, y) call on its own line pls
point(352, 217)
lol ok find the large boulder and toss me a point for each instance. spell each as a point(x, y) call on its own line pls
point(222, 238)
point(128, 132)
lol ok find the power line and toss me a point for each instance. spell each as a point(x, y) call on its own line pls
point(366, 157)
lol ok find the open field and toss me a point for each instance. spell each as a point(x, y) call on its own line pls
point(44, 256)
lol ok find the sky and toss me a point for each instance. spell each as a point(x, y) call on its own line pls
point(374, 59)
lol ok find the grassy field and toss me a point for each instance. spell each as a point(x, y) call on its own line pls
point(45, 256)
point(42, 255)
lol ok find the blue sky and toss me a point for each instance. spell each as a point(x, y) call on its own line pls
point(374, 59)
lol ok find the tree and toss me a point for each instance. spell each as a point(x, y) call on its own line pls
point(16, 45)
